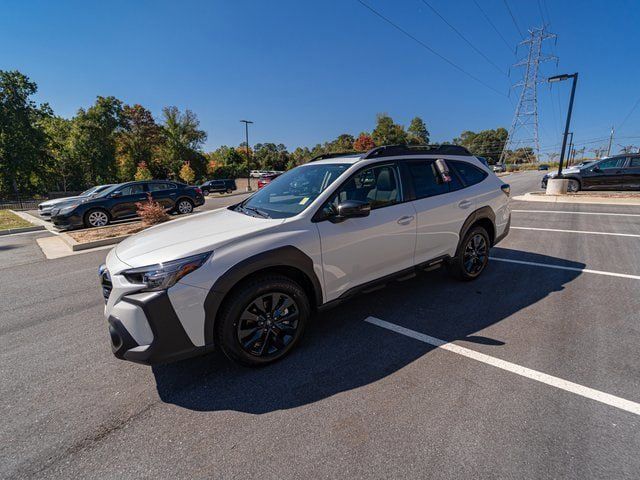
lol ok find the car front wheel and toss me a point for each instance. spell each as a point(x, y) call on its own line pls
point(96, 218)
point(263, 320)
point(184, 206)
point(573, 186)
point(472, 256)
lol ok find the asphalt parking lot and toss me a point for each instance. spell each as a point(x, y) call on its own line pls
point(532, 371)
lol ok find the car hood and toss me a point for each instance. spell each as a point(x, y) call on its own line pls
point(59, 201)
point(565, 171)
point(191, 235)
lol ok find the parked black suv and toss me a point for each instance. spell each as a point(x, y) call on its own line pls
point(620, 172)
point(220, 186)
point(119, 202)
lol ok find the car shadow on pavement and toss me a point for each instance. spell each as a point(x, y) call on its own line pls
point(341, 352)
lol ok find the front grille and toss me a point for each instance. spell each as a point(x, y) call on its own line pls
point(105, 282)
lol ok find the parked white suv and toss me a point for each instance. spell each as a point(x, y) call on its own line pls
point(247, 278)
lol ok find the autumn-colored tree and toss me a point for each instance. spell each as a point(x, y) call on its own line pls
point(143, 172)
point(363, 143)
point(137, 141)
point(187, 174)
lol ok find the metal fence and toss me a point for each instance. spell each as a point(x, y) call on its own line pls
point(20, 203)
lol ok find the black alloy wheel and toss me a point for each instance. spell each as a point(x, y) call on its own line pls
point(268, 324)
point(475, 254)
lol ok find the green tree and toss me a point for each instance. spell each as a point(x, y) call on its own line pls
point(93, 140)
point(23, 142)
point(417, 132)
point(487, 143)
point(387, 132)
point(64, 170)
point(182, 141)
point(143, 172)
point(270, 156)
point(187, 174)
point(137, 141)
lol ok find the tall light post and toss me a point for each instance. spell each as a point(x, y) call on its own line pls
point(560, 78)
point(246, 133)
point(570, 147)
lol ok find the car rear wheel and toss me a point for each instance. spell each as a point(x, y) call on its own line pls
point(263, 320)
point(473, 255)
point(184, 206)
point(229, 190)
point(573, 186)
point(205, 193)
point(96, 218)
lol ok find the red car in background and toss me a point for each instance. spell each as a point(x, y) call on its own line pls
point(266, 179)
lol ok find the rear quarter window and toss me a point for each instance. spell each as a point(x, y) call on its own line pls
point(468, 174)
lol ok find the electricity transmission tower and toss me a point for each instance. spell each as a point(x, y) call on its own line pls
point(524, 128)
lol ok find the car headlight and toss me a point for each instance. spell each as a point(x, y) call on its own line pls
point(164, 275)
point(68, 209)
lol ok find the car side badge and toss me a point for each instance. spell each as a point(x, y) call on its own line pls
point(443, 170)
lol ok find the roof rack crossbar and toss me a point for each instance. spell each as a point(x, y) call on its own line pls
point(396, 150)
point(324, 156)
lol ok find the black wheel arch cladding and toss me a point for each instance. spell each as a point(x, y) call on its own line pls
point(286, 257)
point(479, 217)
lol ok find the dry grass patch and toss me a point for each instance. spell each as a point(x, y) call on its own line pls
point(100, 233)
point(9, 220)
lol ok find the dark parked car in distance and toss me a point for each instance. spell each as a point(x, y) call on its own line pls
point(218, 186)
point(119, 202)
point(543, 167)
point(620, 172)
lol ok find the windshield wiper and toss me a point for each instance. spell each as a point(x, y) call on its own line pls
point(262, 213)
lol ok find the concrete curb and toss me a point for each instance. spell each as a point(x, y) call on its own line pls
point(75, 246)
point(529, 197)
point(12, 231)
point(37, 221)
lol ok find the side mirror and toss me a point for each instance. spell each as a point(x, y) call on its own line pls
point(351, 209)
point(116, 194)
point(596, 169)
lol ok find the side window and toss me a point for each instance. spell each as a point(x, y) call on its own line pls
point(611, 163)
point(133, 189)
point(426, 180)
point(156, 187)
point(635, 162)
point(469, 174)
point(378, 185)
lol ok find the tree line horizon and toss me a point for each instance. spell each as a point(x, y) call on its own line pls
point(113, 142)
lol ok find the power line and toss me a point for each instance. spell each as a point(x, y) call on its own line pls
point(493, 26)
point(465, 39)
point(513, 18)
point(635, 105)
point(427, 47)
point(544, 22)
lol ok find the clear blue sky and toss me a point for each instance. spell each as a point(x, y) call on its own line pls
point(307, 71)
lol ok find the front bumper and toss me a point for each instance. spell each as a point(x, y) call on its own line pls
point(67, 221)
point(151, 318)
point(200, 200)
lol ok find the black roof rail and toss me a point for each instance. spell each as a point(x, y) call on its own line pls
point(397, 150)
point(324, 156)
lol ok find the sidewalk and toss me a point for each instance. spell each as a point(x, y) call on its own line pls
point(602, 198)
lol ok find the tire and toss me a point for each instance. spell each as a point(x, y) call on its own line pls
point(248, 330)
point(96, 217)
point(205, 193)
point(473, 255)
point(184, 206)
point(573, 186)
point(229, 190)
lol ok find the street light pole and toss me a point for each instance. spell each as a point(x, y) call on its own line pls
point(570, 147)
point(560, 78)
point(246, 133)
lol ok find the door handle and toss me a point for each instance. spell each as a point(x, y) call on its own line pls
point(464, 204)
point(406, 220)
point(172, 194)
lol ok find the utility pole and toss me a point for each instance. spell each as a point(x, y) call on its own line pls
point(560, 78)
point(610, 142)
point(570, 147)
point(246, 133)
point(526, 115)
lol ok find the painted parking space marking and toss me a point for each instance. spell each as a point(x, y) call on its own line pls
point(557, 230)
point(541, 377)
point(572, 269)
point(579, 213)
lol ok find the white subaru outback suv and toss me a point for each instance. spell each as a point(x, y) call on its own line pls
point(247, 278)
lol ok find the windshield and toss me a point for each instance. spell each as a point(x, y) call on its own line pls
point(292, 192)
point(88, 192)
point(107, 190)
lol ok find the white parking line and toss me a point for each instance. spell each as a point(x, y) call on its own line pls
point(579, 213)
point(556, 382)
point(572, 269)
point(577, 231)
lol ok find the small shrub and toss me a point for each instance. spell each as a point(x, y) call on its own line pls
point(151, 212)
